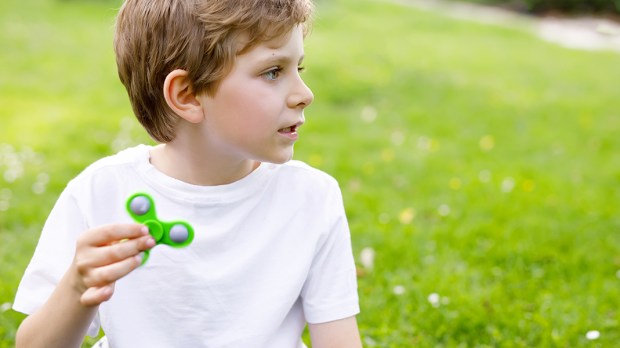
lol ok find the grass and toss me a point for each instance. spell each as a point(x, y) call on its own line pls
point(477, 162)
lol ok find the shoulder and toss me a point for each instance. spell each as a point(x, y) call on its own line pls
point(111, 168)
point(128, 157)
point(296, 181)
point(302, 169)
point(303, 174)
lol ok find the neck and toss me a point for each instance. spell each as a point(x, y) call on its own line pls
point(197, 167)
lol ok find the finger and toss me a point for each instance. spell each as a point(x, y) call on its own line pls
point(117, 252)
point(88, 260)
point(108, 274)
point(107, 234)
point(96, 295)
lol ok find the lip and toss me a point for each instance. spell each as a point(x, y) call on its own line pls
point(290, 132)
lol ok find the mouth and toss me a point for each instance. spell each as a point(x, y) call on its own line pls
point(290, 131)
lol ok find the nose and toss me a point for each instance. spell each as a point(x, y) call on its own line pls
point(301, 95)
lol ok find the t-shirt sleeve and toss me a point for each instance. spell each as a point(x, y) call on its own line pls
point(52, 257)
point(330, 290)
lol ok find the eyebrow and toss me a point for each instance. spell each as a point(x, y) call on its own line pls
point(281, 59)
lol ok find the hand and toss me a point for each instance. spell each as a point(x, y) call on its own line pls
point(104, 255)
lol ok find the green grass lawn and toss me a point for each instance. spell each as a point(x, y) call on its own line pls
point(478, 163)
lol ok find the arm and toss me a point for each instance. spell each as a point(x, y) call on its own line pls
point(335, 334)
point(100, 260)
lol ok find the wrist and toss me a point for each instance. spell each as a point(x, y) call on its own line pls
point(75, 280)
point(74, 285)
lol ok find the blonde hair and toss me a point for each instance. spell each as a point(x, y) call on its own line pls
point(202, 37)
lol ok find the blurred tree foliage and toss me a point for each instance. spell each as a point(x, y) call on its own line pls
point(611, 7)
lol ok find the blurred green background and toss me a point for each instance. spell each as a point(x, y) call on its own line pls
point(575, 7)
point(479, 164)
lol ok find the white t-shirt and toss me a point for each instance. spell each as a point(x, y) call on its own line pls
point(271, 252)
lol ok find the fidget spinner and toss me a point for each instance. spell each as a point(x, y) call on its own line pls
point(176, 234)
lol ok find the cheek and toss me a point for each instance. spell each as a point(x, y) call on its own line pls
point(242, 95)
point(252, 106)
point(248, 112)
point(246, 107)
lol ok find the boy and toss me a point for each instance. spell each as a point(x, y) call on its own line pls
point(217, 83)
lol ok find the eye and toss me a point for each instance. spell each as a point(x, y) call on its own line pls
point(272, 74)
point(301, 69)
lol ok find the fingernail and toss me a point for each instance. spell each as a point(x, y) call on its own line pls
point(144, 230)
point(150, 242)
point(139, 257)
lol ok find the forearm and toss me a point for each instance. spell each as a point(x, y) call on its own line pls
point(100, 260)
point(341, 333)
point(61, 322)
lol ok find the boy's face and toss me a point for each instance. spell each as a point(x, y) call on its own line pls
point(258, 107)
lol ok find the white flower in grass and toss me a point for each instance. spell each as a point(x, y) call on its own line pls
point(43, 178)
point(593, 335)
point(369, 341)
point(5, 199)
point(38, 188)
point(424, 143)
point(397, 138)
point(6, 194)
point(429, 259)
point(508, 184)
point(484, 176)
point(367, 257)
point(5, 306)
point(11, 175)
point(40, 185)
point(434, 299)
point(444, 210)
point(14, 165)
point(355, 185)
point(369, 114)
point(398, 290)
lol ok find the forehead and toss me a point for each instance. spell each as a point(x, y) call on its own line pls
point(290, 42)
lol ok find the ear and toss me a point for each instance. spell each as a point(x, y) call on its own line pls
point(181, 98)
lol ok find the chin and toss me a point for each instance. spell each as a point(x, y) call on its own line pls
point(280, 158)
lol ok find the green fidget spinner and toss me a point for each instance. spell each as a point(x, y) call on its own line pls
point(176, 234)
